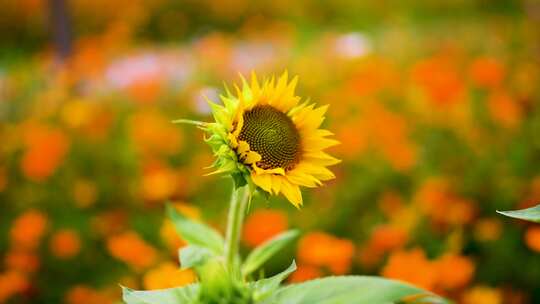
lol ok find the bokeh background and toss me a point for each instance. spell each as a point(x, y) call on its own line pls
point(436, 104)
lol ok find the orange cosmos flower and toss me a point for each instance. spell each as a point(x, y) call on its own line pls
point(439, 79)
point(86, 295)
point(23, 261)
point(12, 283)
point(324, 250)
point(262, 225)
point(532, 238)
point(487, 72)
point(504, 109)
point(305, 273)
point(168, 275)
point(131, 249)
point(65, 244)
point(388, 237)
point(28, 229)
point(45, 150)
point(411, 266)
point(455, 271)
point(158, 182)
point(153, 133)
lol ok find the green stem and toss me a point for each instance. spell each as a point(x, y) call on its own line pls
point(237, 210)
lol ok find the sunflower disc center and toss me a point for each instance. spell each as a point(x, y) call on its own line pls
point(273, 135)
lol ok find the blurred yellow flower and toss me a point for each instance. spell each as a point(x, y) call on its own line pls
point(487, 229)
point(168, 275)
point(85, 193)
point(482, 295)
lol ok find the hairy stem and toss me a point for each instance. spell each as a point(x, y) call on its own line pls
point(237, 210)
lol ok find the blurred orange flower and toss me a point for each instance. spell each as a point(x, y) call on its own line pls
point(28, 229)
point(324, 250)
point(411, 266)
point(454, 271)
point(168, 275)
point(305, 273)
point(389, 133)
point(86, 295)
point(158, 182)
point(131, 249)
point(504, 109)
point(262, 225)
point(23, 261)
point(388, 237)
point(12, 283)
point(45, 150)
point(487, 72)
point(153, 133)
point(442, 205)
point(440, 80)
point(65, 244)
point(532, 238)
point(482, 295)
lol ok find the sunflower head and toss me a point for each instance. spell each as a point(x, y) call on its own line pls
point(266, 138)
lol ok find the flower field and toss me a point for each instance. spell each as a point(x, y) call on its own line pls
point(436, 106)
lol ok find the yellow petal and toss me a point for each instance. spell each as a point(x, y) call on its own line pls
point(252, 157)
point(263, 180)
point(292, 193)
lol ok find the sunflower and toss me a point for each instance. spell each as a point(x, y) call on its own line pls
point(267, 138)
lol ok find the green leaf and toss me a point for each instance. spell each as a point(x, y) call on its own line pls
point(530, 214)
point(349, 289)
point(178, 295)
point(265, 287)
point(193, 256)
point(196, 233)
point(265, 251)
